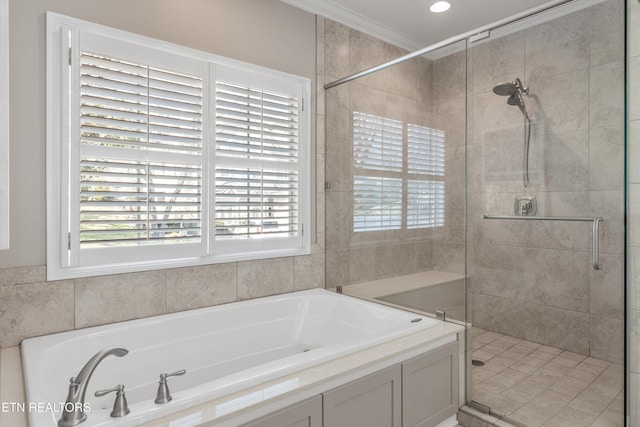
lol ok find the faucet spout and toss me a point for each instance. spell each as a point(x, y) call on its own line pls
point(73, 412)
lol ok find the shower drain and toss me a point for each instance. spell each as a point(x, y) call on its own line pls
point(476, 362)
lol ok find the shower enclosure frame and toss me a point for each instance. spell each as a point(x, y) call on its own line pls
point(470, 37)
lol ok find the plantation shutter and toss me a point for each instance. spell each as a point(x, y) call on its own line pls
point(257, 175)
point(140, 148)
point(425, 192)
point(377, 184)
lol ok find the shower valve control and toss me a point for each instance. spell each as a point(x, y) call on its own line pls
point(525, 205)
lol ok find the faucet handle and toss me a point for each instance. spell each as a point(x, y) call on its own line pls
point(163, 395)
point(120, 407)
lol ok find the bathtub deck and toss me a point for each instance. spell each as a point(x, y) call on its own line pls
point(538, 385)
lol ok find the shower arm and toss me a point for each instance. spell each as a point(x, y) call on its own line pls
point(595, 237)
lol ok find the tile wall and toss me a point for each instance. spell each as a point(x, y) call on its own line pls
point(633, 211)
point(533, 280)
point(403, 93)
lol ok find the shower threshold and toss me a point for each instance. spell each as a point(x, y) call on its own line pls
point(534, 385)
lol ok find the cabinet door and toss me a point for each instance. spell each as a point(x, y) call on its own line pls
point(303, 414)
point(372, 401)
point(430, 387)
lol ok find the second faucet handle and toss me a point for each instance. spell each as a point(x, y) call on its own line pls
point(120, 407)
point(163, 395)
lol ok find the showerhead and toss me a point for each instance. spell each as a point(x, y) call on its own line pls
point(510, 88)
point(514, 99)
point(505, 89)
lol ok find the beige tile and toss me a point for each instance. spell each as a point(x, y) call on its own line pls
point(634, 340)
point(265, 277)
point(557, 46)
point(608, 205)
point(607, 95)
point(449, 78)
point(541, 408)
point(606, 156)
point(560, 161)
point(607, 32)
point(634, 389)
point(634, 217)
point(336, 59)
point(339, 214)
point(20, 275)
point(542, 326)
point(35, 309)
point(607, 338)
point(606, 287)
point(109, 299)
point(202, 286)
point(497, 270)
point(559, 104)
point(562, 283)
point(338, 112)
point(499, 314)
point(337, 267)
point(308, 271)
point(503, 404)
point(633, 151)
point(633, 28)
point(570, 417)
point(633, 79)
point(570, 386)
point(498, 60)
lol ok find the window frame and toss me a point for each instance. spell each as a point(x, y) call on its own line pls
point(63, 42)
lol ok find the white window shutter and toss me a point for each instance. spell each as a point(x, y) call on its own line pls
point(257, 175)
point(140, 154)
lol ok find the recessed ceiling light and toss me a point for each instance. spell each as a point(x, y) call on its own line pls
point(440, 6)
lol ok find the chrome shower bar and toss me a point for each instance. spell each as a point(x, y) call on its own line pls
point(451, 40)
point(595, 233)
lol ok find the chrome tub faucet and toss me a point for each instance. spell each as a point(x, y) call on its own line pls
point(73, 413)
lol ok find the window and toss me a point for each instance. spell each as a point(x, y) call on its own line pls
point(386, 169)
point(4, 124)
point(161, 156)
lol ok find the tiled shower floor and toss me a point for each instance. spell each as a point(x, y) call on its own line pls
point(538, 385)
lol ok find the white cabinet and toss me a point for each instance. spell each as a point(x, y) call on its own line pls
point(430, 387)
point(372, 401)
point(418, 392)
point(304, 414)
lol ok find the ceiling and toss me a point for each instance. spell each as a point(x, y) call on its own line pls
point(409, 24)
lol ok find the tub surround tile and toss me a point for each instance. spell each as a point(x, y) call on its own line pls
point(35, 309)
point(265, 277)
point(195, 287)
point(109, 299)
point(633, 151)
point(309, 271)
point(449, 78)
point(20, 275)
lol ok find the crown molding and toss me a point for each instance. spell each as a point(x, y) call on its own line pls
point(335, 12)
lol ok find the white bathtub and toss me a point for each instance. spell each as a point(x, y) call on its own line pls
point(224, 349)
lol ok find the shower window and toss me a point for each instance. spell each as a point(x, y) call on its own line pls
point(162, 156)
point(398, 182)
